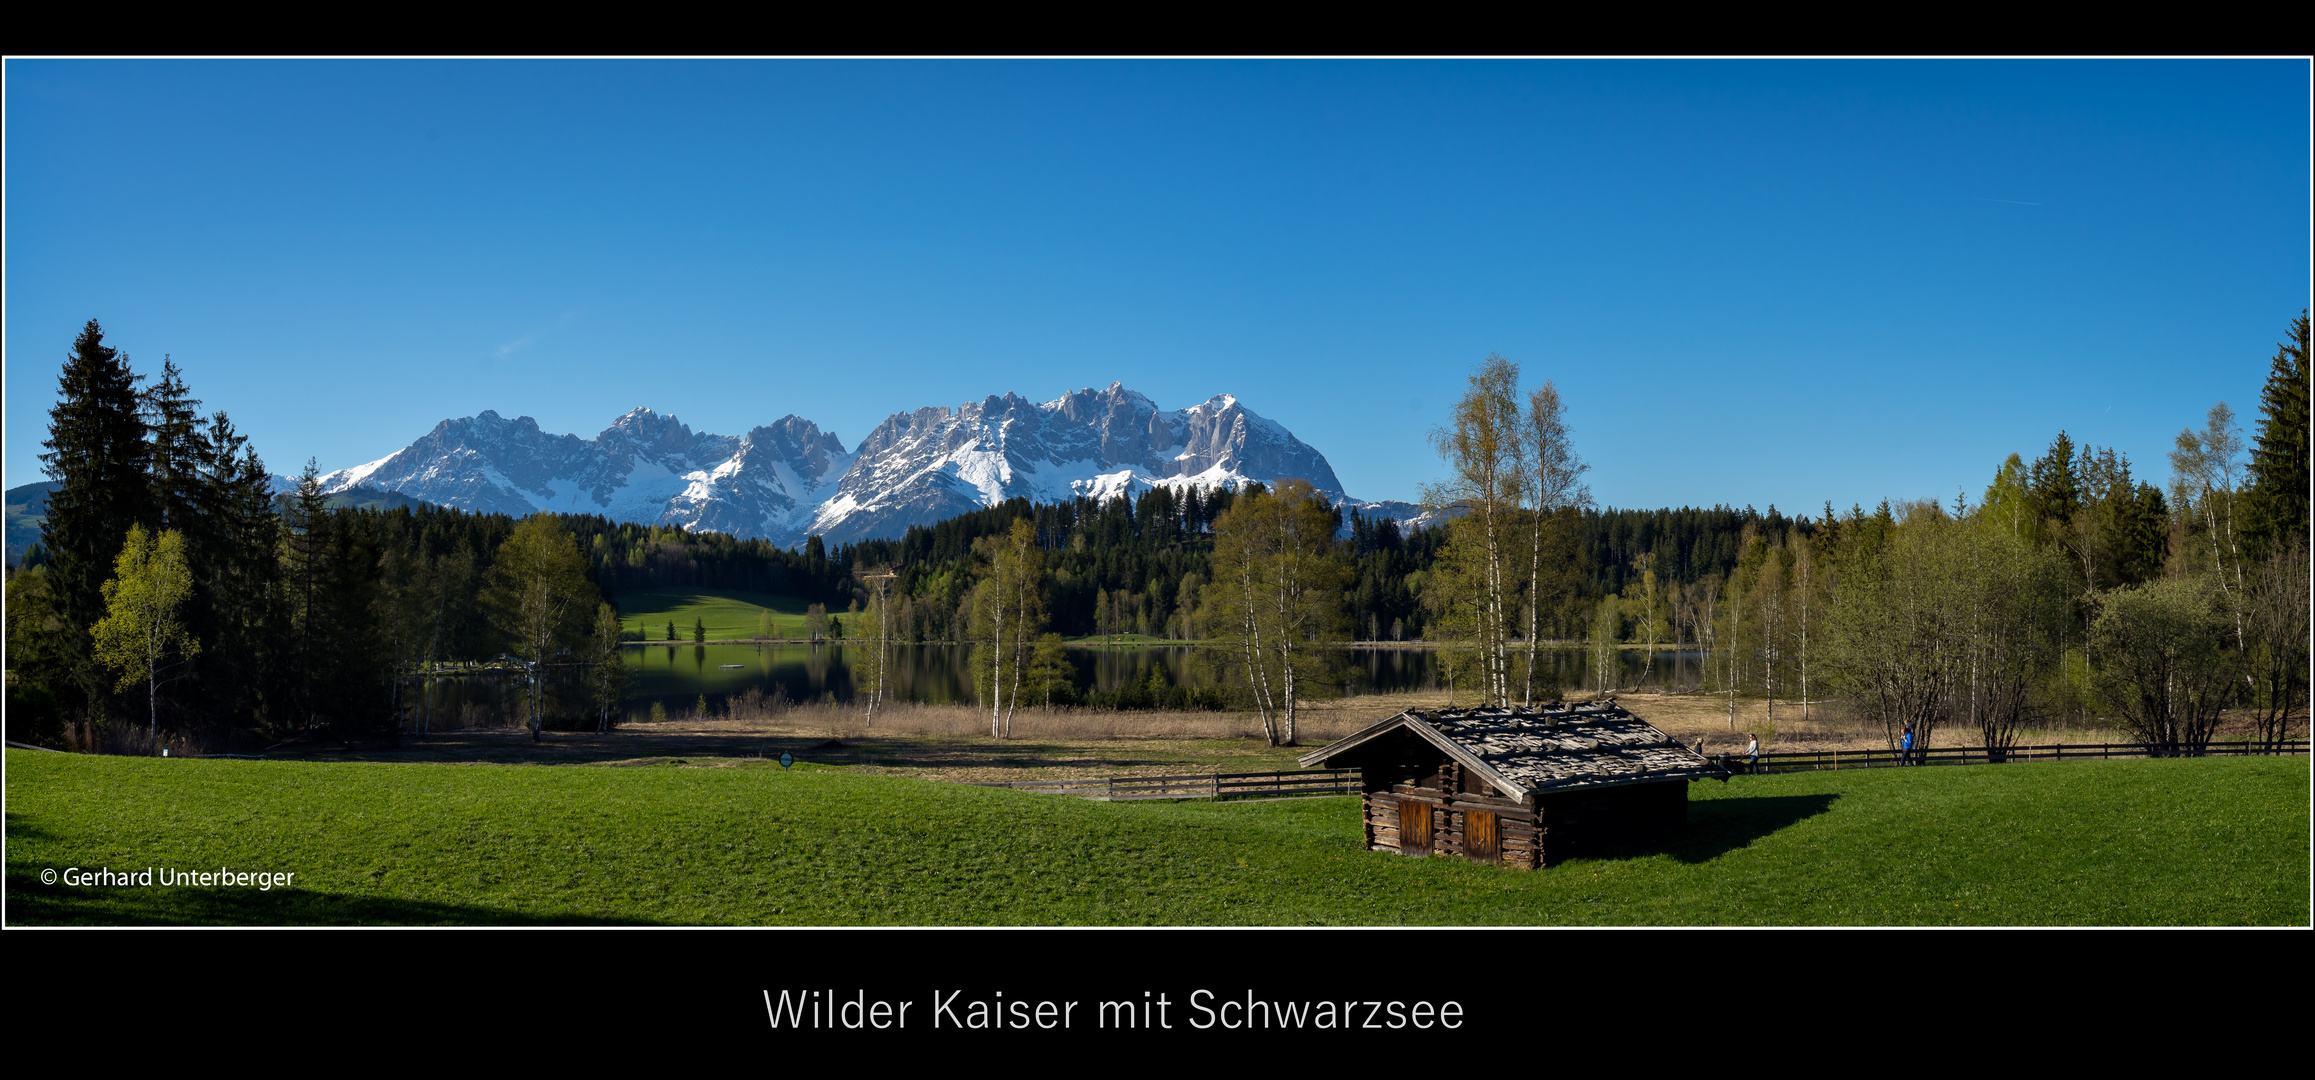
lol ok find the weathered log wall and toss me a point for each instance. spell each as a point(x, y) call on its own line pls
point(1554, 828)
point(1518, 840)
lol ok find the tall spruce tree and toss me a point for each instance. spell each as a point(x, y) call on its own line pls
point(176, 456)
point(96, 452)
point(240, 582)
point(2054, 491)
point(349, 662)
point(305, 570)
point(174, 451)
point(2276, 507)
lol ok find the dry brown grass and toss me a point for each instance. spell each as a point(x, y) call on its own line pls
point(1691, 718)
point(1833, 725)
point(951, 742)
point(947, 742)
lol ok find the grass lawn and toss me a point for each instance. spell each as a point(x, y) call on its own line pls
point(729, 614)
point(2213, 841)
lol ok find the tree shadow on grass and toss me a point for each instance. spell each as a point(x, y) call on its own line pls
point(31, 903)
point(20, 829)
point(1716, 828)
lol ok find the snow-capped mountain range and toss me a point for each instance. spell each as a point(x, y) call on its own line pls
point(788, 480)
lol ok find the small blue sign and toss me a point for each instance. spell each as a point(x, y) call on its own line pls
point(786, 759)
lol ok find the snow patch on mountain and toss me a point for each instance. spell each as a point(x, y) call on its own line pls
point(788, 479)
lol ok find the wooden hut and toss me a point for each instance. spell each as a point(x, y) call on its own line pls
point(1525, 787)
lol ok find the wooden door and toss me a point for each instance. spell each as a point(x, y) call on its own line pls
point(1482, 837)
point(1414, 827)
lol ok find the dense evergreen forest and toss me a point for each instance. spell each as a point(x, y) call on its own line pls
point(171, 586)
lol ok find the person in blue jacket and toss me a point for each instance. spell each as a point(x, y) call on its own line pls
point(1905, 746)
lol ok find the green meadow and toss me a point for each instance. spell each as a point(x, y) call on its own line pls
point(732, 615)
point(2166, 842)
point(729, 615)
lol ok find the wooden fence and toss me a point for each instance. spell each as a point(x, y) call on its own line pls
point(1346, 781)
point(1804, 761)
point(1206, 786)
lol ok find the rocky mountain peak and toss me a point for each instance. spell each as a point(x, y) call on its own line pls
point(788, 479)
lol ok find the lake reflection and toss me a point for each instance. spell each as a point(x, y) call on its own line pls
point(936, 674)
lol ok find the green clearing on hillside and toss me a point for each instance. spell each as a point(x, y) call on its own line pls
point(27, 508)
point(730, 615)
point(2111, 843)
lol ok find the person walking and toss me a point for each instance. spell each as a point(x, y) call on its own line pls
point(1905, 746)
point(1752, 753)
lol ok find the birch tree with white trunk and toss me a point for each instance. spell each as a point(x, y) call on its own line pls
point(1555, 483)
point(141, 636)
point(1486, 456)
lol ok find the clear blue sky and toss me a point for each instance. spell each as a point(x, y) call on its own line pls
point(1754, 282)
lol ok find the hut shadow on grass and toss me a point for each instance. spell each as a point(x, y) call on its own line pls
point(1716, 828)
point(31, 903)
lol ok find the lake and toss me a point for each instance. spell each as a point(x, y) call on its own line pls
point(936, 674)
point(677, 675)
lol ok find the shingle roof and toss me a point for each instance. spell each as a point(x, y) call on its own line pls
point(1549, 749)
